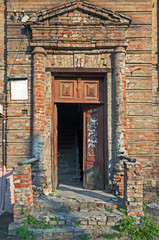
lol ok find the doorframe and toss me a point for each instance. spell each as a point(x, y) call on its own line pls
point(102, 72)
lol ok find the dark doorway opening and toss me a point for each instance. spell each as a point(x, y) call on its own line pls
point(70, 143)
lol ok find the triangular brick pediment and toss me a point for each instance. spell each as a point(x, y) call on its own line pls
point(78, 24)
point(92, 10)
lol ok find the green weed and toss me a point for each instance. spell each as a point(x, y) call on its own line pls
point(99, 227)
point(31, 222)
point(74, 198)
point(24, 233)
point(144, 205)
point(110, 209)
point(144, 230)
point(36, 223)
point(76, 223)
point(86, 236)
point(112, 235)
point(25, 211)
point(57, 219)
point(52, 192)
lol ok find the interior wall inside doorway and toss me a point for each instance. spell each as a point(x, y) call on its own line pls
point(70, 143)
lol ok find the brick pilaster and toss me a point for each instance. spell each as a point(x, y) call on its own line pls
point(133, 188)
point(120, 99)
point(23, 191)
point(39, 92)
point(39, 55)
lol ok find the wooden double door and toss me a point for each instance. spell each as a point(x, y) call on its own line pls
point(90, 93)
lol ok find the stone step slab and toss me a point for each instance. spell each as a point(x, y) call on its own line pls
point(67, 233)
point(82, 219)
point(74, 205)
point(67, 175)
point(68, 161)
point(70, 171)
point(55, 233)
point(67, 165)
point(67, 151)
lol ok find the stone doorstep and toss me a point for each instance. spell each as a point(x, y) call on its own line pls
point(76, 199)
point(74, 205)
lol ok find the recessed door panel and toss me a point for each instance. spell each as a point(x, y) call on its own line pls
point(79, 90)
point(91, 90)
point(66, 90)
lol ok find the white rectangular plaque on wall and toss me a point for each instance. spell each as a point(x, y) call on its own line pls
point(19, 90)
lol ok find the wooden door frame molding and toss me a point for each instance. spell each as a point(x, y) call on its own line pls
point(101, 72)
point(58, 71)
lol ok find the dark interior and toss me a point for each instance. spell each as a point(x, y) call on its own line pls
point(70, 143)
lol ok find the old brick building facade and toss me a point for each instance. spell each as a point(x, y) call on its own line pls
point(97, 60)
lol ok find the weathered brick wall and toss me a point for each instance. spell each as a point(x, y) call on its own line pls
point(141, 83)
point(23, 192)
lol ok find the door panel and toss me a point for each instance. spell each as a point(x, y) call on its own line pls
point(85, 90)
point(93, 152)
